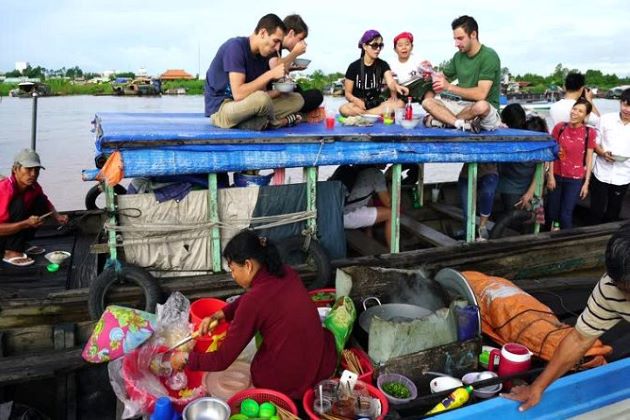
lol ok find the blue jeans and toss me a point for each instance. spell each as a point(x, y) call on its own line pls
point(562, 201)
point(486, 185)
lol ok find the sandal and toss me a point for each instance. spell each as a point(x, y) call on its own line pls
point(35, 250)
point(293, 120)
point(429, 122)
point(19, 260)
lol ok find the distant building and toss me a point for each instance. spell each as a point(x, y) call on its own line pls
point(142, 72)
point(21, 65)
point(175, 74)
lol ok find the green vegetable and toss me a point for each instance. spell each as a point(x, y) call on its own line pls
point(396, 389)
point(323, 296)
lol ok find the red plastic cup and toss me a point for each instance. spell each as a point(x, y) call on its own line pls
point(330, 122)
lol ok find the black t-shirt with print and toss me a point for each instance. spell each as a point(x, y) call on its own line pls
point(367, 86)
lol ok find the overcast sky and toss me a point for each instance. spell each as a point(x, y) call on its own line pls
point(529, 36)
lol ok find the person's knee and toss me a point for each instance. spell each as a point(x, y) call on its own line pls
point(481, 108)
point(261, 102)
point(428, 103)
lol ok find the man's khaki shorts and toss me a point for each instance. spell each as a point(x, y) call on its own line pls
point(489, 122)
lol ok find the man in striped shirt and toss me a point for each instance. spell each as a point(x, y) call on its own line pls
point(608, 304)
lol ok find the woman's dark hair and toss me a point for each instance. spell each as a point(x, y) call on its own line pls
point(248, 245)
point(586, 103)
point(536, 123)
point(618, 257)
point(513, 115)
point(625, 96)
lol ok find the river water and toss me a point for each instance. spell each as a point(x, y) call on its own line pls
point(66, 144)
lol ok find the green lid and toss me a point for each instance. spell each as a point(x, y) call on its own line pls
point(484, 357)
point(52, 267)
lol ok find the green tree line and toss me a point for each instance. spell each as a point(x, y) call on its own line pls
point(61, 80)
point(594, 78)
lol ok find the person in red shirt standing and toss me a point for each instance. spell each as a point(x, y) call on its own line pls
point(296, 351)
point(22, 205)
point(569, 175)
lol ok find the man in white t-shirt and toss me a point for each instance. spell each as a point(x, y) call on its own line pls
point(611, 174)
point(574, 87)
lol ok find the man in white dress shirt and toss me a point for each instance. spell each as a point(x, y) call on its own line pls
point(611, 174)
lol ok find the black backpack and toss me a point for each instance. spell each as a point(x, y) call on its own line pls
point(348, 175)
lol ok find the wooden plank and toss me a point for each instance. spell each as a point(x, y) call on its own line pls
point(455, 213)
point(66, 404)
point(425, 232)
point(20, 368)
point(364, 244)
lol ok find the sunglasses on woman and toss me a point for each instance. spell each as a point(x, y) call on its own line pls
point(376, 45)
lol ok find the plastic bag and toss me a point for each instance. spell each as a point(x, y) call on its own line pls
point(136, 380)
point(340, 321)
point(172, 321)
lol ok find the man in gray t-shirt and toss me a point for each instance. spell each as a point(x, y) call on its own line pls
point(358, 213)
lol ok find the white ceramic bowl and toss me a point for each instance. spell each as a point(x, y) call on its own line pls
point(442, 383)
point(409, 124)
point(369, 117)
point(284, 87)
point(57, 257)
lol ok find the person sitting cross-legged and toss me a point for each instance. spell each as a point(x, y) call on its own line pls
point(473, 103)
point(237, 93)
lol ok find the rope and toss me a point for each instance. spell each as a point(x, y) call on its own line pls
point(159, 233)
point(319, 153)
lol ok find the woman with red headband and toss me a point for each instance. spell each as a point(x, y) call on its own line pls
point(405, 69)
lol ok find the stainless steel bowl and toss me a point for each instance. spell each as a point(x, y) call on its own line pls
point(284, 87)
point(207, 408)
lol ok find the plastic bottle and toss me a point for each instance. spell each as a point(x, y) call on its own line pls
point(415, 197)
point(409, 109)
point(455, 399)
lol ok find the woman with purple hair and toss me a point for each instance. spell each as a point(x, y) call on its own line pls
point(365, 78)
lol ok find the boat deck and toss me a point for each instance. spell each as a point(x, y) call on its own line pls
point(170, 144)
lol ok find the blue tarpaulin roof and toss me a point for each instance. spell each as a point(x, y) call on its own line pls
point(154, 144)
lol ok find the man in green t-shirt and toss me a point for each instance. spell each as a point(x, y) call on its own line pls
point(472, 104)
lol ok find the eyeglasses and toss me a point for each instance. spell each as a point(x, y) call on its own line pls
point(376, 46)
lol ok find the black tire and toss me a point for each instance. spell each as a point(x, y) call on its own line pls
point(95, 191)
point(129, 274)
point(292, 252)
point(515, 217)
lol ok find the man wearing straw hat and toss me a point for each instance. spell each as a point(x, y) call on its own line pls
point(23, 208)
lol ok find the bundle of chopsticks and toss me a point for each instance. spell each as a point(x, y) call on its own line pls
point(285, 414)
point(352, 361)
point(332, 417)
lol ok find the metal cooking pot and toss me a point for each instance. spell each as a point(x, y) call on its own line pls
point(394, 312)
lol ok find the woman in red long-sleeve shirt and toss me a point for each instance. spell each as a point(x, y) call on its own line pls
point(296, 351)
